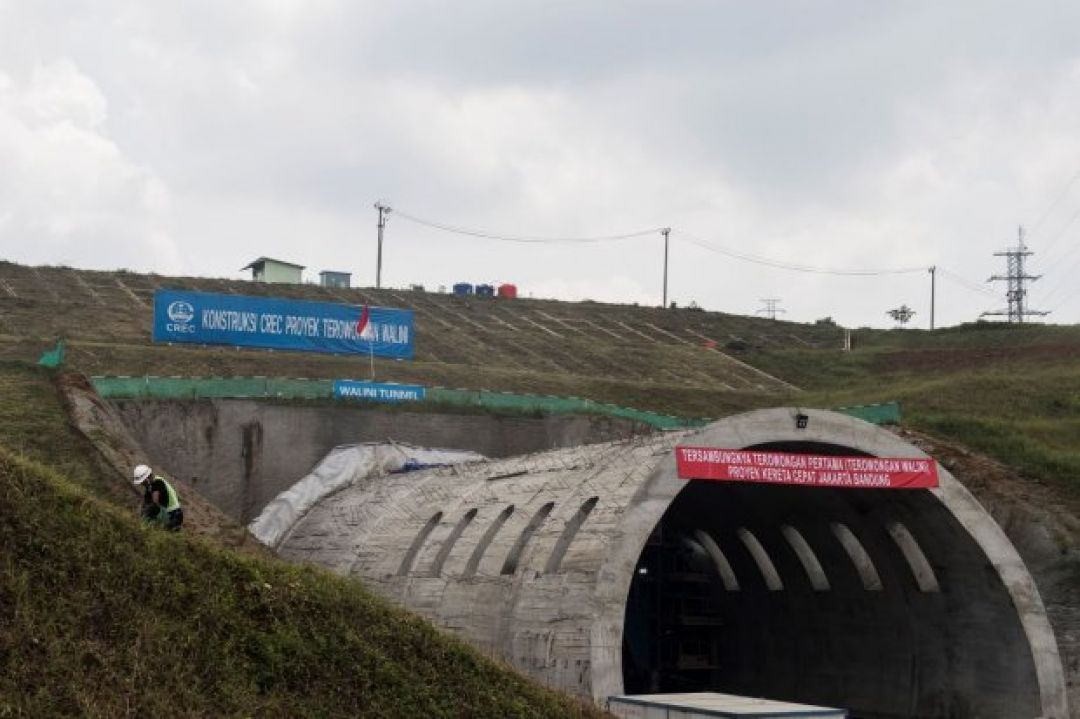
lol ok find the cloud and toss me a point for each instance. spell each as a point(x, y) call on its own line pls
point(68, 194)
point(852, 136)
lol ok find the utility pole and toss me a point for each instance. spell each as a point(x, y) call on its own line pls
point(771, 308)
point(1016, 292)
point(933, 280)
point(383, 212)
point(665, 232)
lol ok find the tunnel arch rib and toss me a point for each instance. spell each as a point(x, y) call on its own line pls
point(860, 558)
point(513, 559)
point(719, 559)
point(761, 558)
point(486, 540)
point(809, 561)
point(449, 542)
point(573, 525)
point(921, 570)
point(409, 559)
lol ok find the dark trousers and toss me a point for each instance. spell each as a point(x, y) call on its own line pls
point(174, 519)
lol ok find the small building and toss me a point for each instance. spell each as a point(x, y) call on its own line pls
point(329, 278)
point(267, 269)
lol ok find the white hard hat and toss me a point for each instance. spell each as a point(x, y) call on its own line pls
point(142, 473)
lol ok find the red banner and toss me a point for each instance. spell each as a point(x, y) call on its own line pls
point(810, 470)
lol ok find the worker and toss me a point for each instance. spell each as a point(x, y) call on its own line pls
point(161, 503)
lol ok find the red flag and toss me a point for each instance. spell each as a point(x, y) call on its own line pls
point(362, 325)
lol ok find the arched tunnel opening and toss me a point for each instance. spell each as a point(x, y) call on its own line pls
point(601, 571)
point(878, 601)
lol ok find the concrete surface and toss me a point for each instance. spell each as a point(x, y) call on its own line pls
point(241, 453)
point(539, 559)
point(342, 467)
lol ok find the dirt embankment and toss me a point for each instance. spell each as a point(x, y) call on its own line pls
point(98, 421)
point(1044, 529)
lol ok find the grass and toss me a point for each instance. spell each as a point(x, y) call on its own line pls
point(704, 400)
point(1027, 417)
point(102, 617)
point(34, 424)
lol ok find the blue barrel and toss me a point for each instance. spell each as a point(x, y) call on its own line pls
point(485, 290)
point(463, 288)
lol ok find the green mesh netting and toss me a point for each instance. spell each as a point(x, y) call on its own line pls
point(53, 358)
point(286, 388)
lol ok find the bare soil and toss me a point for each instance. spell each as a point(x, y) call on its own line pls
point(100, 423)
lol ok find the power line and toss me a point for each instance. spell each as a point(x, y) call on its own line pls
point(1065, 300)
point(532, 239)
point(1049, 244)
point(965, 283)
point(1060, 233)
point(686, 237)
point(1066, 276)
point(1059, 198)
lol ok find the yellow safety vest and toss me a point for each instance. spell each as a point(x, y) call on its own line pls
point(173, 497)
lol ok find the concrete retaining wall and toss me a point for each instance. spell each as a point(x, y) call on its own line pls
point(241, 453)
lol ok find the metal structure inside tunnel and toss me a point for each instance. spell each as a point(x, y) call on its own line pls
point(598, 571)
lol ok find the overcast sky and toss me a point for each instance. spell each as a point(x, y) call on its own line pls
point(193, 137)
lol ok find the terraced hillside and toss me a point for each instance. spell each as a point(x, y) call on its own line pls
point(685, 348)
point(1011, 391)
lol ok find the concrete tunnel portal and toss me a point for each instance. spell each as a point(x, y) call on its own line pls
point(823, 596)
point(598, 571)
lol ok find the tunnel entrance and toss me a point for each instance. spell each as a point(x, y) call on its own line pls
point(873, 600)
point(601, 571)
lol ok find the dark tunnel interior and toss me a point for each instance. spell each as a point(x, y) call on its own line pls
point(877, 601)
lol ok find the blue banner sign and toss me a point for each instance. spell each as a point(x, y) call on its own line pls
point(377, 392)
point(281, 324)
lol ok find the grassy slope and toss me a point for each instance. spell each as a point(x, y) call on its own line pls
point(1010, 392)
point(33, 423)
point(94, 609)
point(688, 400)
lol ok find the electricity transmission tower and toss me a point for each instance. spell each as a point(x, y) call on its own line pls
point(771, 308)
point(1015, 279)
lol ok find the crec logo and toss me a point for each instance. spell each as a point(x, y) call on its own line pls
point(181, 311)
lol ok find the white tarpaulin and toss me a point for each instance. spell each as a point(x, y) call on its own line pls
point(342, 467)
